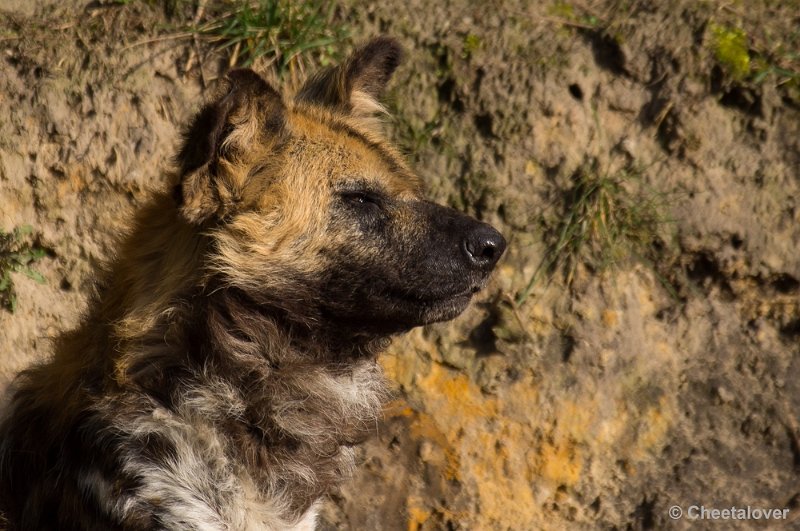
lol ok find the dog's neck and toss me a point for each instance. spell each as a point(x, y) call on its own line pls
point(298, 410)
point(303, 409)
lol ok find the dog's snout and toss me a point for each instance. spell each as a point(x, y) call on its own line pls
point(483, 246)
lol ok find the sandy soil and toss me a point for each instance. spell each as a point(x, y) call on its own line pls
point(601, 400)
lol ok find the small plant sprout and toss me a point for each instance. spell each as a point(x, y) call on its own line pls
point(604, 221)
point(281, 32)
point(17, 255)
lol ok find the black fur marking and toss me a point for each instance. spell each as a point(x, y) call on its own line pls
point(371, 66)
point(205, 134)
point(368, 69)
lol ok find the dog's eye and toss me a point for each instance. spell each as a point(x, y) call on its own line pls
point(361, 198)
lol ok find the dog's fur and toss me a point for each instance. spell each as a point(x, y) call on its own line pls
point(226, 365)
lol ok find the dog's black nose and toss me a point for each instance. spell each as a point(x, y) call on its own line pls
point(484, 246)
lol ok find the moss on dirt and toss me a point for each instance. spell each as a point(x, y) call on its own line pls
point(18, 254)
point(731, 50)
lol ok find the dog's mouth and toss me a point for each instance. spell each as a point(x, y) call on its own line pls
point(445, 309)
point(435, 305)
point(435, 296)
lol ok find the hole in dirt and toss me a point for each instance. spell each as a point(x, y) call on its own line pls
point(645, 513)
point(513, 375)
point(785, 283)
point(735, 97)
point(448, 94)
point(795, 444)
point(705, 272)
point(788, 101)
point(665, 314)
point(567, 348)
point(702, 268)
point(792, 329)
point(794, 502)
point(736, 241)
point(65, 285)
point(595, 506)
point(607, 53)
point(482, 337)
point(744, 99)
point(501, 211)
point(479, 75)
point(576, 91)
point(394, 444)
point(484, 123)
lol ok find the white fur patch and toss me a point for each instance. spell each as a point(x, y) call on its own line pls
point(200, 487)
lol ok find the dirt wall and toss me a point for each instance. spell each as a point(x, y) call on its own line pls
point(670, 376)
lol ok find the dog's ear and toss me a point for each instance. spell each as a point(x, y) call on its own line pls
point(247, 110)
point(356, 85)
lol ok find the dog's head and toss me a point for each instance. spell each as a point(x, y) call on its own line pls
point(313, 213)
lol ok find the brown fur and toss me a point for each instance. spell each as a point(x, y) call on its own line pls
point(226, 366)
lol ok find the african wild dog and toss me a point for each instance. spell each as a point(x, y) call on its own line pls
point(227, 363)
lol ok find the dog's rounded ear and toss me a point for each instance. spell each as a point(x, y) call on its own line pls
point(356, 85)
point(247, 110)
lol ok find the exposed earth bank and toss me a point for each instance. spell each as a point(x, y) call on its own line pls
point(659, 369)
